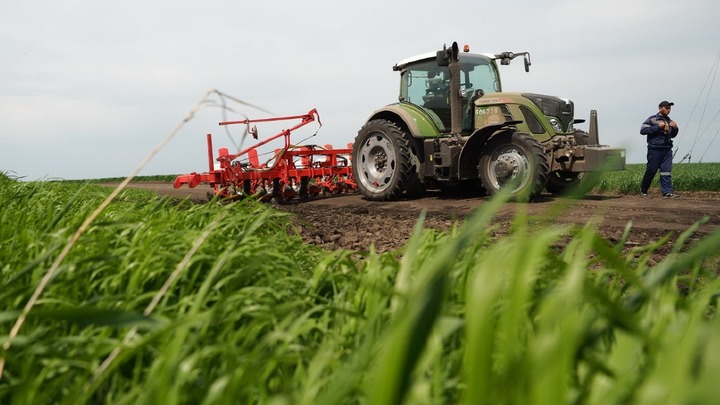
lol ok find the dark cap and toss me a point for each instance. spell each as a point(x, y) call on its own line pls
point(665, 104)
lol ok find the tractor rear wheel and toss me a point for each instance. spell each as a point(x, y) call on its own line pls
point(516, 160)
point(384, 164)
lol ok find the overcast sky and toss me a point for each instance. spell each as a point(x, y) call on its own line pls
point(89, 87)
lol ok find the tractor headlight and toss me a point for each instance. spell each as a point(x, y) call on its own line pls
point(556, 124)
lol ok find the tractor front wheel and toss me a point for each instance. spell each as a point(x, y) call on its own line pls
point(516, 161)
point(383, 164)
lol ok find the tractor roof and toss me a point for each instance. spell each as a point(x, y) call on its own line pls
point(433, 55)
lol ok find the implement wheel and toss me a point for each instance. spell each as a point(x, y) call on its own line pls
point(384, 164)
point(515, 160)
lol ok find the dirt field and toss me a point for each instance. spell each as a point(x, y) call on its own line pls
point(349, 221)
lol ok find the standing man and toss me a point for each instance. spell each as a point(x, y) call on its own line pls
point(660, 131)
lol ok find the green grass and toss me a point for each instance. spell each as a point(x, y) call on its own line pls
point(168, 178)
point(685, 177)
point(169, 302)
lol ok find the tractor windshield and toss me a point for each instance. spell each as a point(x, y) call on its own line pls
point(426, 84)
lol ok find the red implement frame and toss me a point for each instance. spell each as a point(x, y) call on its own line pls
point(293, 171)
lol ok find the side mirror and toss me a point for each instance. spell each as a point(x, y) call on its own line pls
point(507, 57)
point(446, 56)
point(442, 59)
point(527, 62)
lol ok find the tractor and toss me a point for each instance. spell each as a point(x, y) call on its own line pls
point(454, 128)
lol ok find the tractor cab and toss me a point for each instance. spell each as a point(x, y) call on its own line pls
point(427, 85)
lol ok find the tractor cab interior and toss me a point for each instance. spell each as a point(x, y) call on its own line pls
point(437, 99)
point(437, 96)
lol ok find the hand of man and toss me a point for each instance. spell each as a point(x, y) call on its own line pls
point(673, 124)
point(661, 124)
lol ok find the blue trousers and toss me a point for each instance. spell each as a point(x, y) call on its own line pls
point(658, 159)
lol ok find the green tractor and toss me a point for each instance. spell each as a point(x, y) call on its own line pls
point(453, 128)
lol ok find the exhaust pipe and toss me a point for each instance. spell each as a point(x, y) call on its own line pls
point(450, 58)
point(593, 136)
point(455, 97)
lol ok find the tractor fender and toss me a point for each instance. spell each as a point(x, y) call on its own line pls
point(408, 117)
point(470, 154)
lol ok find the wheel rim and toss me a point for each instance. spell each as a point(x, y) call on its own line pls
point(509, 165)
point(377, 164)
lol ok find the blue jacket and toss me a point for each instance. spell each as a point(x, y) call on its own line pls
point(657, 138)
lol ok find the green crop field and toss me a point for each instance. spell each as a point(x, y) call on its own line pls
point(157, 301)
point(686, 177)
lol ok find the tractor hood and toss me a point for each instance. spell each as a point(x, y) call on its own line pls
point(554, 107)
point(559, 113)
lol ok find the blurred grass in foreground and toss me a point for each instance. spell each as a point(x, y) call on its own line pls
point(539, 316)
